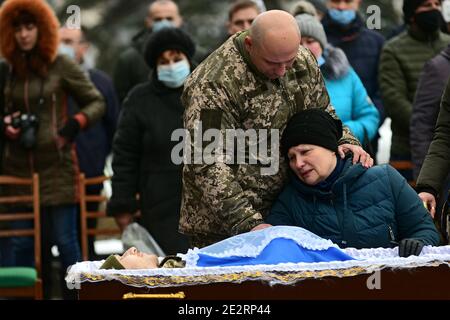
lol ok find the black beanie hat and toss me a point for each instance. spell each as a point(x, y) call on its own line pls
point(409, 8)
point(168, 39)
point(312, 126)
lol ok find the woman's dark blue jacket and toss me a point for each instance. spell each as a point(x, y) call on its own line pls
point(365, 208)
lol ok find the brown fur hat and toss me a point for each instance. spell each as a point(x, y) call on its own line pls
point(48, 38)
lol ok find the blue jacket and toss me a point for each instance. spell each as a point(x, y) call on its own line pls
point(362, 48)
point(94, 144)
point(348, 95)
point(365, 208)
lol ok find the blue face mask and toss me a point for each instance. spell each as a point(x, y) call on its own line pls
point(174, 75)
point(320, 61)
point(343, 17)
point(161, 24)
point(67, 50)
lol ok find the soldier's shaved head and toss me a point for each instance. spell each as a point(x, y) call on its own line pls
point(274, 25)
point(273, 42)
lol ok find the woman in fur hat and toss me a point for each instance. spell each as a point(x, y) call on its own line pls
point(37, 131)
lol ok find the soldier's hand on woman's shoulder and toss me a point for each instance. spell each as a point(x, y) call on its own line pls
point(359, 155)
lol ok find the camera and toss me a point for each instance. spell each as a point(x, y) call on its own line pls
point(28, 124)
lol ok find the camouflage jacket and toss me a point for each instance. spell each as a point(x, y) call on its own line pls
point(226, 91)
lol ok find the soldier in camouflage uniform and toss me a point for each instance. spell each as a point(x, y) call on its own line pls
point(258, 79)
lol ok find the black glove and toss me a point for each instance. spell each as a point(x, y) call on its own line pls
point(408, 247)
point(70, 130)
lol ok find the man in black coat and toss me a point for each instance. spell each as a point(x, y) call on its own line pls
point(131, 68)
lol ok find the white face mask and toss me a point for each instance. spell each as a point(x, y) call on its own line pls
point(174, 75)
point(159, 25)
point(67, 50)
point(320, 60)
point(446, 10)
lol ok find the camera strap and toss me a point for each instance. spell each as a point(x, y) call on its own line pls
point(8, 104)
point(4, 74)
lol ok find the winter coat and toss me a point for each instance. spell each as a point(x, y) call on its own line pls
point(436, 166)
point(426, 106)
point(131, 68)
point(365, 208)
point(348, 95)
point(40, 83)
point(402, 60)
point(142, 162)
point(362, 48)
point(94, 144)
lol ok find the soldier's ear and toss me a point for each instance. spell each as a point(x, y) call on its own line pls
point(248, 42)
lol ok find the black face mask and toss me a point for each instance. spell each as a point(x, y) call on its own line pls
point(429, 21)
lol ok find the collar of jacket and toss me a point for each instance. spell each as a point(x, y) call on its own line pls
point(343, 32)
point(422, 36)
point(336, 63)
point(140, 39)
point(349, 173)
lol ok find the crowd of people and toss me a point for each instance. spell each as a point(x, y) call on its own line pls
point(316, 75)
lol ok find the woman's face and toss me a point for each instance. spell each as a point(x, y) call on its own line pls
point(313, 45)
point(134, 259)
point(170, 57)
point(26, 36)
point(312, 164)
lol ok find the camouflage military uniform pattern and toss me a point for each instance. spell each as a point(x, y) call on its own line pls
point(226, 91)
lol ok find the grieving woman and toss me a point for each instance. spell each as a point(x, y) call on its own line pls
point(142, 145)
point(351, 205)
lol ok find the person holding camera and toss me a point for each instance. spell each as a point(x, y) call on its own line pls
point(37, 130)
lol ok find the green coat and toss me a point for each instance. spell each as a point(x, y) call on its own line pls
point(57, 168)
point(436, 166)
point(401, 63)
point(227, 92)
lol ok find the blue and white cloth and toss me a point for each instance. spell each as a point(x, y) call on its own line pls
point(270, 246)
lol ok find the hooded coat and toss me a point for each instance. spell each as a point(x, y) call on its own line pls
point(348, 95)
point(39, 82)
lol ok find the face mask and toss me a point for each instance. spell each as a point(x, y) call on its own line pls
point(159, 25)
point(429, 21)
point(446, 10)
point(175, 75)
point(320, 61)
point(343, 17)
point(67, 50)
